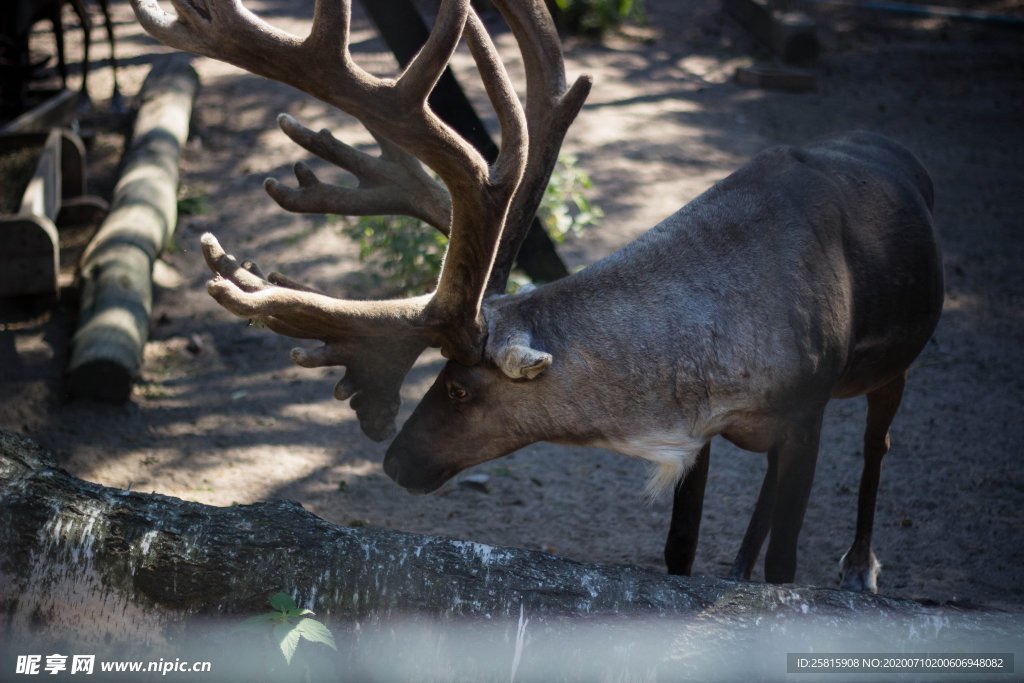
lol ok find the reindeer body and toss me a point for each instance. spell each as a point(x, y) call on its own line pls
point(810, 273)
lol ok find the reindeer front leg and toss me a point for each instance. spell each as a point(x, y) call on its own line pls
point(687, 507)
point(797, 458)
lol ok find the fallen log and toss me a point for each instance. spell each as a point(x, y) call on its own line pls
point(117, 267)
point(127, 575)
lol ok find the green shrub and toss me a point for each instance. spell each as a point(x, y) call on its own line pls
point(565, 209)
point(405, 254)
point(594, 17)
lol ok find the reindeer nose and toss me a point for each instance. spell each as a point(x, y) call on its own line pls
point(412, 477)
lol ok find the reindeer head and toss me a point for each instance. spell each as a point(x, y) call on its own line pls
point(473, 414)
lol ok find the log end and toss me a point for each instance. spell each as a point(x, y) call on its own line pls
point(101, 379)
point(29, 256)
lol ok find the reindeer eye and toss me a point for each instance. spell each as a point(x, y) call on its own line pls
point(457, 393)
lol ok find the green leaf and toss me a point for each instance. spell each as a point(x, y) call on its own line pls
point(299, 612)
point(314, 631)
point(282, 602)
point(287, 637)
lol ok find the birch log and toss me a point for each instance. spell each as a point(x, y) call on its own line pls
point(85, 568)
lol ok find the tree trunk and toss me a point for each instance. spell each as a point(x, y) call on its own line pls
point(90, 569)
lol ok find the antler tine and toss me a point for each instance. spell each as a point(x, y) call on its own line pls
point(398, 110)
point(330, 31)
point(393, 183)
point(511, 162)
point(377, 342)
point(550, 110)
point(478, 222)
point(423, 72)
point(394, 109)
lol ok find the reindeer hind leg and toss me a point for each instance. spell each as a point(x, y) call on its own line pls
point(84, 104)
point(117, 104)
point(760, 524)
point(56, 20)
point(859, 567)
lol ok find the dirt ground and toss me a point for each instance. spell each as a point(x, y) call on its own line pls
point(221, 416)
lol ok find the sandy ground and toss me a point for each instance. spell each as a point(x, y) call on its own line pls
point(220, 416)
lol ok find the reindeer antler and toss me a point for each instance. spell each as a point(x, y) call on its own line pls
point(484, 209)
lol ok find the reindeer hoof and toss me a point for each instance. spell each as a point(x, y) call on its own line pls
point(84, 103)
point(117, 104)
point(860, 575)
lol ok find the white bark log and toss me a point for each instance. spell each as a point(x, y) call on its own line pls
point(89, 569)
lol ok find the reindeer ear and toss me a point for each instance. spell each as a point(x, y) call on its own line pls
point(518, 360)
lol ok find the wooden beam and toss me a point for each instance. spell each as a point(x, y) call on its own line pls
point(56, 110)
point(117, 267)
point(29, 251)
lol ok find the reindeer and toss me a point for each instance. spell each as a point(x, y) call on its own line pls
point(809, 274)
point(17, 20)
